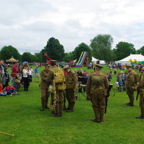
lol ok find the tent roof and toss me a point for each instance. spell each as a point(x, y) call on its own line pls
point(138, 57)
point(94, 59)
point(12, 60)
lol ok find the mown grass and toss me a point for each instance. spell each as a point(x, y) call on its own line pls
point(21, 115)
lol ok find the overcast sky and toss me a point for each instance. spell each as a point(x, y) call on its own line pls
point(28, 24)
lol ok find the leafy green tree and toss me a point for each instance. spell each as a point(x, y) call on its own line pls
point(124, 49)
point(42, 52)
point(26, 56)
point(82, 47)
point(54, 49)
point(69, 56)
point(39, 57)
point(141, 50)
point(101, 46)
point(8, 51)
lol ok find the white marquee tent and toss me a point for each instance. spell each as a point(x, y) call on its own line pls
point(94, 60)
point(133, 57)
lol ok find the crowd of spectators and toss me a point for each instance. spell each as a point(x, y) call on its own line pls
point(20, 75)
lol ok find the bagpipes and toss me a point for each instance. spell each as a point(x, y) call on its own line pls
point(108, 94)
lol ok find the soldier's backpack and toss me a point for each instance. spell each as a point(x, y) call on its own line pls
point(98, 85)
point(97, 80)
point(59, 76)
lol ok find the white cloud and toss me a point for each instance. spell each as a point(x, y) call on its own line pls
point(28, 24)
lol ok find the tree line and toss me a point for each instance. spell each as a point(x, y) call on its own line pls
point(100, 47)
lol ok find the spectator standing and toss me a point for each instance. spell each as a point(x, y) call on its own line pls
point(84, 74)
point(109, 76)
point(115, 70)
point(85, 81)
point(25, 78)
point(80, 78)
point(36, 74)
point(30, 74)
point(14, 72)
point(111, 70)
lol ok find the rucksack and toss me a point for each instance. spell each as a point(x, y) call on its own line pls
point(59, 76)
point(97, 80)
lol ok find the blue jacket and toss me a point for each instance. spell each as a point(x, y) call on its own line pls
point(109, 77)
point(36, 70)
point(120, 83)
point(86, 79)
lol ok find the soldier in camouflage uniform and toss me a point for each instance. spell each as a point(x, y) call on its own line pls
point(130, 85)
point(97, 87)
point(59, 93)
point(71, 81)
point(44, 87)
point(140, 90)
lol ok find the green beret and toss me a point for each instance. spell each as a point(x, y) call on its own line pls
point(66, 67)
point(99, 66)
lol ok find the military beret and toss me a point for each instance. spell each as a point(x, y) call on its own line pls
point(66, 67)
point(99, 66)
point(48, 65)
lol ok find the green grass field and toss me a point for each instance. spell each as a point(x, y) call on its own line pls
point(21, 115)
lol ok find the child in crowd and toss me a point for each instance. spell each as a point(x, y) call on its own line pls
point(120, 85)
point(110, 71)
point(11, 90)
point(85, 80)
point(17, 81)
point(115, 70)
point(2, 93)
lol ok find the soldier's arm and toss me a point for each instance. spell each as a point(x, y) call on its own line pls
point(50, 76)
point(106, 83)
point(88, 85)
point(74, 81)
point(43, 76)
point(141, 84)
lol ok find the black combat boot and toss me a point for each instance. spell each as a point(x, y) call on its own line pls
point(140, 117)
point(43, 102)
